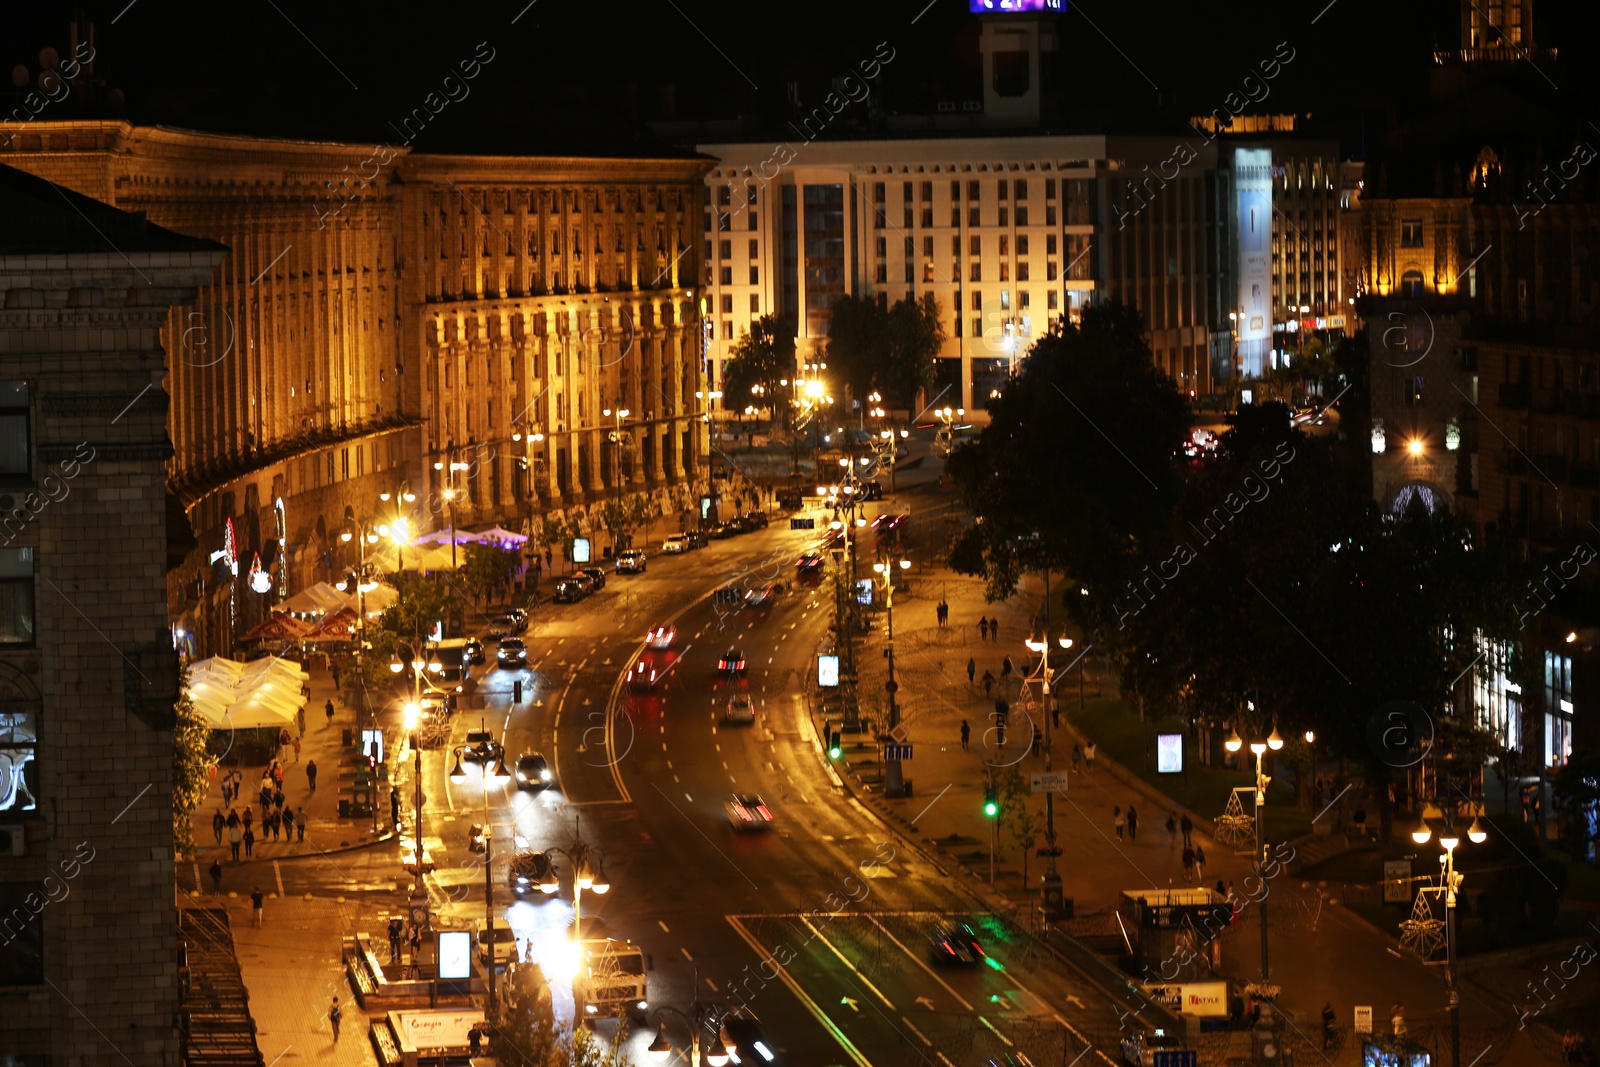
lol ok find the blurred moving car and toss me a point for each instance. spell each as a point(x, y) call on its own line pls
point(532, 771)
point(661, 637)
point(644, 673)
point(473, 650)
point(747, 811)
point(1139, 1050)
point(481, 747)
point(501, 626)
point(676, 545)
point(528, 872)
point(512, 653)
point(954, 943)
point(749, 1043)
point(631, 561)
point(741, 709)
point(764, 597)
point(732, 662)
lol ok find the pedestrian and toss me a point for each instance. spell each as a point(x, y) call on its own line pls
point(300, 823)
point(972, 670)
point(1327, 1024)
point(1199, 861)
point(233, 818)
point(1318, 791)
point(334, 1015)
point(249, 840)
point(416, 944)
point(300, 720)
point(328, 710)
point(1187, 825)
point(235, 839)
point(1077, 757)
point(277, 798)
point(256, 901)
point(249, 817)
point(227, 790)
point(988, 684)
point(311, 774)
point(1088, 757)
point(1133, 824)
point(1005, 667)
point(474, 1040)
point(1188, 863)
point(1119, 822)
point(1397, 1018)
point(297, 750)
point(277, 775)
point(1038, 739)
point(983, 627)
point(396, 929)
point(394, 806)
point(216, 876)
point(335, 672)
point(966, 734)
point(994, 630)
point(218, 824)
point(264, 794)
point(1172, 831)
point(1222, 889)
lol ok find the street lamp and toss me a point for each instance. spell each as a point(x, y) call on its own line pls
point(413, 720)
point(1452, 882)
point(588, 872)
point(498, 773)
point(1259, 749)
point(616, 472)
point(702, 1016)
point(1052, 888)
point(894, 782)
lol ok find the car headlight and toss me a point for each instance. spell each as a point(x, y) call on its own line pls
point(643, 1005)
point(544, 776)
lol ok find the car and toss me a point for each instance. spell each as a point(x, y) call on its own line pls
point(661, 637)
point(503, 946)
point(532, 771)
point(644, 673)
point(746, 811)
point(871, 491)
point(473, 651)
point(528, 872)
point(501, 626)
point(741, 709)
point(521, 616)
point(732, 662)
point(481, 747)
point(724, 530)
point(631, 561)
point(697, 538)
point(571, 590)
point(437, 705)
point(764, 597)
point(810, 564)
point(885, 523)
point(954, 943)
point(596, 575)
point(755, 520)
point(511, 653)
point(830, 539)
point(676, 545)
point(1139, 1050)
point(747, 1042)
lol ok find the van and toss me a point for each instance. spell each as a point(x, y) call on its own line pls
point(612, 978)
point(504, 943)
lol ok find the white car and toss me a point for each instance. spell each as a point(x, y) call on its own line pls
point(661, 637)
point(676, 545)
point(740, 709)
point(505, 942)
point(746, 811)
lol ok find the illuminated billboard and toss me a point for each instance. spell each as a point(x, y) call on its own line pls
point(986, 7)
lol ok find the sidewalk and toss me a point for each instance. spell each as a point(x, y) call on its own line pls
point(325, 831)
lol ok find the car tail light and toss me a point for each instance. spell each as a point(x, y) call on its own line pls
point(744, 813)
point(765, 814)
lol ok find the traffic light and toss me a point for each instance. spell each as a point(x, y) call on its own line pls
point(991, 801)
point(835, 745)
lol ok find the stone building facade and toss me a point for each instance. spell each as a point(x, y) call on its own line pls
point(455, 325)
point(89, 962)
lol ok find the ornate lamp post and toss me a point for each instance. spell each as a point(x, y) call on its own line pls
point(498, 773)
point(413, 719)
point(894, 784)
point(1259, 748)
point(1452, 882)
point(1052, 889)
point(588, 872)
point(702, 1017)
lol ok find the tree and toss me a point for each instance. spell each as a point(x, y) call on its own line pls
point(858, 343)
point(764, 357)
point(622, 517)
point(488, 569)
point(1075, 470)
point(191, 768)
point(916, 334)
point(1022, 824)
point(526, 1023)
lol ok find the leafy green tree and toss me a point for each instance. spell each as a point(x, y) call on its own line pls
point(916, 334)
point(1075, 470)
point(191, 768)
point(858, 343)
point(1023, 824)
point(621, 518)
point(764, 356)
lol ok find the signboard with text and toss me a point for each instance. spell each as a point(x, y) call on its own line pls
point(1048, 782)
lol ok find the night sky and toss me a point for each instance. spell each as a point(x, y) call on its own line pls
point(570, 73)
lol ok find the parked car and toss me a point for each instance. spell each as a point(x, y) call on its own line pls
point(755, 520)
point(676, 545)
point(503, 948)
point(1139, 1050)
point(631, 561)
point(724, 530)
point(732, 662)
point(746, 811)
point(528, 871)
point(571, 590)
point(596, 575)
point(532, 772)
point(512, 653)
point(741, 709)
point(697, 538)
point(501, 626)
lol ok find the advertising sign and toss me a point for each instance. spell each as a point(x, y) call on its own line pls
point(864, 591)
point(372, 744)
point(1397, 881)
point(828, 671)
point(445, 1028)
point(985, 7)
point(580, 550)
point(1169, 753)
point(1206, 1000)
point(455, 954)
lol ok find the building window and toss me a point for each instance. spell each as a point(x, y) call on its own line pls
point(972, 217)
point(1023, 296)
point(1414, 391)
point(883, 271)
point(15, 453)
point(906, 188)
point(725, 276)
point(750, 195)
point(1049, 190)
point(907, 213)
point(882, 245)
point(927, 217)
point(1005, 300)
point(1005, 244)
point(1050, 270)
point(727, 330)
point(975, 246)
point(977, 300)
point(1411, 283)
point(723, 222)
point(1053, 303)
point(1050, 214)
point(16, 596)
point(1411, 233)
point(877, 193)
point(1022, 216)
point(910, 273)
point(1001, 186)
point(977, 328)
point(1005, 271)
point(725, 249)
point(1022, 244)
point(1021, 189)
point(1022, 272)
point(755, 304)
point(977, 272)
point(955, 191)
point(927, 247)
point(19, 748)
point(927, 192)
point(755, 274)
point(750, 220)
point(973, 191)
point(1049, 244)
point(755, 249)
point(727, 303)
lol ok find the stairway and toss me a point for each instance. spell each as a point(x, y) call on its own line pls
point(217, 1028)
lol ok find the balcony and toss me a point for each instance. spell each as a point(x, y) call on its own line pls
point(1513, 395)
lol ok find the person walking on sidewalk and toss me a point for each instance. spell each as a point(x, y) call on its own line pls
point(296, 750)
point(1187, 825)
point(994, 629)
point(983, 627)
point(1119, 822)
point(219, 823)
point(966, 734)
point(1172, 830)
point(334, 1015)
point(1088, 758)
point(300, 823)
point(235, 839)
point(311, 774)
point(328, 710)
point(1077, 757)
point(216, 876)
point(1327, 1024)
point(256, 901)
point(988, 684)
point(1188, 863)
point(396, 929)
point(249, 817)
point(1005, 667)
point(300, 720)
point(1133, 824)
point(249, 842)
point(1199, 861)
point(1397, 1018)
point(972, 670)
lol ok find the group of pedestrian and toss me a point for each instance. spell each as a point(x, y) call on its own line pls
point(942, 613)
point(241, 829)
point(988, 629)
point(1194, 862)
point(1128, 823)
point(1083, 757)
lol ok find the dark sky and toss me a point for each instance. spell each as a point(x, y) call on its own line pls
point(594, 67)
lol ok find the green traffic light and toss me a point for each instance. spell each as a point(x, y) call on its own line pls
point(835, 752)
point(991, 809)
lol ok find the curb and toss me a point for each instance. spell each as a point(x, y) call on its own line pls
point(318, 854)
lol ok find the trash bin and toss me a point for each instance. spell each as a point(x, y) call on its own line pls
point(344, 808)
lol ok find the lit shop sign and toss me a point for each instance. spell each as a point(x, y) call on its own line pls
point(986, 7)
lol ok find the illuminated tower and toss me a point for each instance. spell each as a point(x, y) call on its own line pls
point(1018, 36)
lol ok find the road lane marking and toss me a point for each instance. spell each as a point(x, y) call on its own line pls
point(686, 954)
point(820, 936)
point(920, 963)
point(555, 730)
point(663, 927)
point(1009, 1043)
point(802, 996)
point(277, 872)
point(913, 1028)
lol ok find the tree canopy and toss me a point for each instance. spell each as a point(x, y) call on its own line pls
point(890, 349)
point(764, 357)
